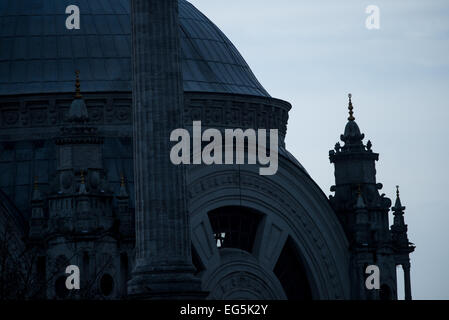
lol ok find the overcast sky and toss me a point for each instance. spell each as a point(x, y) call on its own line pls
point(313, 53)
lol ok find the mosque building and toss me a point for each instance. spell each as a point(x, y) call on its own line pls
point(84, 178)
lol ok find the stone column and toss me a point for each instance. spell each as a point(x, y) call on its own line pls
point(163, 247)
point(407, 284)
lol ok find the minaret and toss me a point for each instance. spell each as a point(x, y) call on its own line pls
point(401, 244)
point(163, 266)
point(362, 211)
point(355, 167)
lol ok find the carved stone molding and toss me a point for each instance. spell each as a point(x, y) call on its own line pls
point(208, 191)
point(106, 109)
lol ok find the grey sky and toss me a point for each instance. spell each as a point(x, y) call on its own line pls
point(312, 53)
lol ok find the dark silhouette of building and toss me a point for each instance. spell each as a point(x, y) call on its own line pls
point(77, 151)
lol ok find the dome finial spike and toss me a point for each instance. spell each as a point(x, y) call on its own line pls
point(36, 186)
point(397, 191)
point(350, 107)
point(122, 180)
point(77, 85)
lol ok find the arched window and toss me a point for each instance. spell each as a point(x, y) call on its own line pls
point(235, 227)
point(291, 273)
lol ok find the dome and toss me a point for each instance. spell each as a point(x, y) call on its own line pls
point(39, 55)
point(78, 110)
point(352, 129)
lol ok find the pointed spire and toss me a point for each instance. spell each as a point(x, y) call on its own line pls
point(35, 184)
point(399, 228)
point(352, 137)
point(78, 109)
point(36, 192)
point(83, 184)
point(77, 86)
point(398, 205)
point(350, 107)
point(122, 180)
point(122, 192)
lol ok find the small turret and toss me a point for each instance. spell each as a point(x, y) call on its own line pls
point(352, 136)
point(362, 211)
point(82, 184)
point(124, 215)
point(122, 193)
point(399, 228)
point(355, 165)
point(78, 109)
point(37, 221)
point(401, 244)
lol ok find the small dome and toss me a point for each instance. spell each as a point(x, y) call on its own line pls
point(352, 129)
point(78, 110)
point(352, 136)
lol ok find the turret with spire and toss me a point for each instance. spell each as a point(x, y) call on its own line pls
point(401, 244)
point(125, 218)
point(78, 109)
point(399, 228)
point(355, 166)
point(80, 173)
point(362, 211)
point(81, 215)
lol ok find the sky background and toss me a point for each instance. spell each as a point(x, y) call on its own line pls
point(313, 53)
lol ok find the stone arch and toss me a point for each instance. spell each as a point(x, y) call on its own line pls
point(292, 206)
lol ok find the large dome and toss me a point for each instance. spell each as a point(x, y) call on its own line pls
point(39, 55)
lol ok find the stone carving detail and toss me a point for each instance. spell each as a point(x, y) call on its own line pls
point(10, 117)
point(95, 113)
point(254, 288)
point(39, 116)
point(123, 113)
point(24, 114)
point(213, 110)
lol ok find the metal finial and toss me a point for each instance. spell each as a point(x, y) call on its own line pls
point(397, 191)
point(77, 85)
point(36, 183)
point(350, 107)
point(122, 180)
point(82, 177)
point(359, 190)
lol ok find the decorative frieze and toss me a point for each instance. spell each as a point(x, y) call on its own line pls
point(212, 109)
